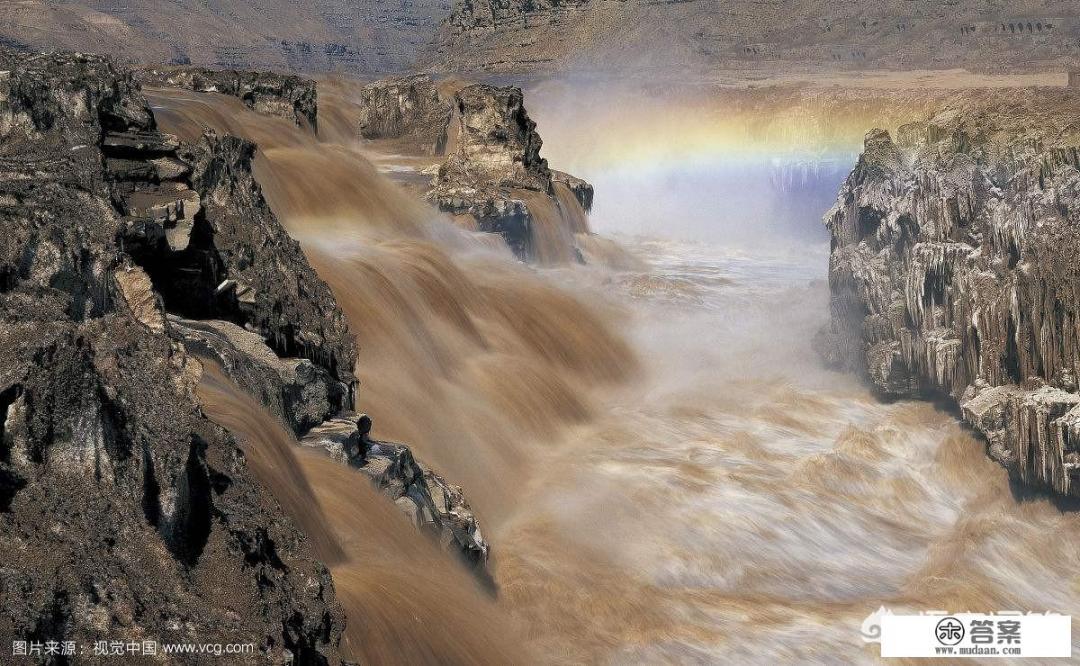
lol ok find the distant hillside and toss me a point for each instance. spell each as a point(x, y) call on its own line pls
point(699, 35)
point(311, 36)
point(663, 36)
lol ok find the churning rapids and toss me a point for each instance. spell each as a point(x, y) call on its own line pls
point(664, 468)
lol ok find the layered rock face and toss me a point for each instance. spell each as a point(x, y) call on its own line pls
point(694, 37)
point(126, 255)
point(953, 271)
point(124, 513)
point(317, 36)
point(492, 171)
point(290, 97)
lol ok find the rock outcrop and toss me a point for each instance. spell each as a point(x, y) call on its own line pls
point(407, 107)
point(125, 514)
point(954, 272)
point(492, 171)
point(298, 392)
point(431, 504)
point(290, 97)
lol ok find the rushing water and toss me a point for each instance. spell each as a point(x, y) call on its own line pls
point(665, 469)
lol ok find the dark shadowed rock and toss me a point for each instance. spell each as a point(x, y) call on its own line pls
point(124, 513)
point(581, 189)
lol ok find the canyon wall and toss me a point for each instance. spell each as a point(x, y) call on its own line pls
point(126, 514)
point(953, 272)
point(693, 37)
point(321, 36)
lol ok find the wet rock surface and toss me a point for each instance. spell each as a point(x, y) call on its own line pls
point(953, 272)
point(290, 97)
point(127, 255)
point(301, 394)
point(125, 514)
point(430, 503)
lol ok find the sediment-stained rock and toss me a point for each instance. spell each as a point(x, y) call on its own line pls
point(293, 98)
point(295, 391)
point(123, 251)
point(953, 271)
point(125, 514)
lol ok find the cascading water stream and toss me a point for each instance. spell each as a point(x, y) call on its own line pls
point(405, 600)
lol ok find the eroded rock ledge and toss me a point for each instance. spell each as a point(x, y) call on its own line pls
point(492, 171)
point(295, 390)
point(954, 271)
point(293, 98)
point(432, 504)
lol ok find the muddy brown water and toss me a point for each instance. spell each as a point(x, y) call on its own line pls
point(665, 471)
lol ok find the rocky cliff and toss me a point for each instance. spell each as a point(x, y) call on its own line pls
point(953, 271)
point(662, 37)
point(125, 256)
point(124, 513)
point(290, 97)
point(407, 107)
